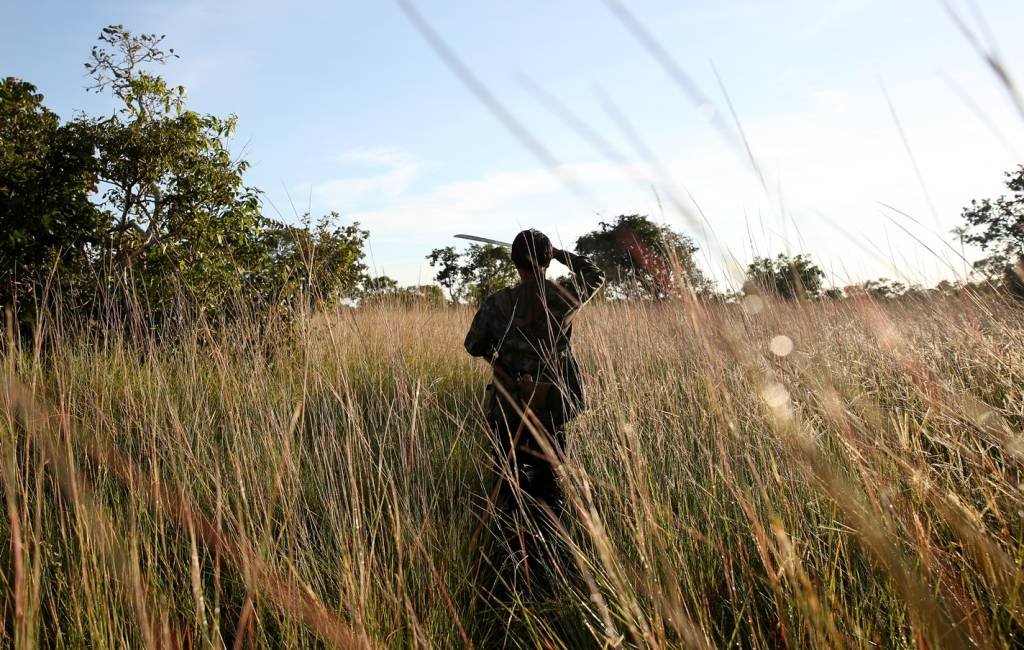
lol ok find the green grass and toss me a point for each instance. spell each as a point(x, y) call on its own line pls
point(274, 489)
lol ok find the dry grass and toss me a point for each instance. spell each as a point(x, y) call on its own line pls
point(257, 489)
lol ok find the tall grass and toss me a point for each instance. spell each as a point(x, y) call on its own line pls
point(274, 487)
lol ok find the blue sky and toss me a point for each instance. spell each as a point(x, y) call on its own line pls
point(343, 106)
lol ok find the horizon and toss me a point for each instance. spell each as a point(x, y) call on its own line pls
point(859, 107)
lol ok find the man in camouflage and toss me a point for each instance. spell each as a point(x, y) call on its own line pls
point(525, 332)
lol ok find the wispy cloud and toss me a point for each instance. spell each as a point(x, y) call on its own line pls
point(499, 201)
point(391, 172)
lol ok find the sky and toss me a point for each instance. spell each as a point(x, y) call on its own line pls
point(867, 125)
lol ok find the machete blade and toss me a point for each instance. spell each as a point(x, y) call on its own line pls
point(484, 240)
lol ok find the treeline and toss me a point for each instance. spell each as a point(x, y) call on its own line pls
point(147, 206)
point(646, 261)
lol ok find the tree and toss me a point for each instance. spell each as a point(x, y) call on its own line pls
point(947, 288)
point(476, 273)
point(47, 173)
point(424, 294)
point(880, 289)
point(151, 201)
point(322, 261)
point(379, 288)
point(385, 290)
point(790, 278)
point(642, 259)
point(997, 226)
point(449, 274)
point(486, 269)
point(181, 215)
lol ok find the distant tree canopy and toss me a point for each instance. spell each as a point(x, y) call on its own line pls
point(475, 273)
point(790, 278)
point(149, 201)
point(427, 295)
point(642, 259)
point(997, 227)
point(880, 289)
point(384, 290)
point(378, 287)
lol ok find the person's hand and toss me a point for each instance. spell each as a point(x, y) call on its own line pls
point(558, 255)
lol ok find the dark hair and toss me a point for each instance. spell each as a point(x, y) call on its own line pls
point(531, 249)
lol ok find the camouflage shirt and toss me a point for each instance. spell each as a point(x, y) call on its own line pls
point(528, 331)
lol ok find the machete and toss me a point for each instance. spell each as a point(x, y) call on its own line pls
point(493, 242)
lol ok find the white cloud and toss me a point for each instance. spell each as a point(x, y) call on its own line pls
point(399, 172)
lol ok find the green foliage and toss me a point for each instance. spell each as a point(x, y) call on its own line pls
point(449, 274)
point(181, 215)
point(322, 261)
point(790, 278)
point(47, 173)
point(385, 290)
point(425, 294)
point(880, 289)
point(997, 227)
point(474, 274)
point(642, 259)
point(149, 202)
point(380, 287)
point(487, 269)
point(116, 66)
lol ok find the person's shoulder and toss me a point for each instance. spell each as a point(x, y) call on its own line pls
point(501, 294)
point(499, 301)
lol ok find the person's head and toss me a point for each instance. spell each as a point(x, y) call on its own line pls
point(531, 253)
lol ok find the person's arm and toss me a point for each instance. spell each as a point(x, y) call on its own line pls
point(479, 342)
point(585, 280)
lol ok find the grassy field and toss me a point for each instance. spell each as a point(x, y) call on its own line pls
point(768, 475)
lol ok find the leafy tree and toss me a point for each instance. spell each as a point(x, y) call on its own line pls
point(486, 269)
point(880, 289)
point(479, 271)
point(642, 259)
point(947, 288)
point(790, 278)
point(181, 215)
point(449, 274)
point(47, 173)
point(322, 261)
point(150, 200)
point(383, 289)
point(997, 226)
point(424, 294)
point(377, 288)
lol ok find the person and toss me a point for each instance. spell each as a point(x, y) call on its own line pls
point(525, 333)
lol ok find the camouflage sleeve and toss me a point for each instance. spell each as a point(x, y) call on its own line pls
point(585, 279)
point(479, 341)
